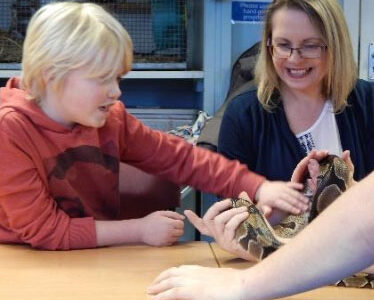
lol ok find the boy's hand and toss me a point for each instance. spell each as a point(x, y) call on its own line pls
point(161, 228)
point(284, 196)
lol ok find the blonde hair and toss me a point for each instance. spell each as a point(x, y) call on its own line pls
point(341, 76)
point(65, 36)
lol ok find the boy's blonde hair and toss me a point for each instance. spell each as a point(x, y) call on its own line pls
point(65, 36)
point(341, 75)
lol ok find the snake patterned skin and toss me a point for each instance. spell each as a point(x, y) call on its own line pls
point(259, 238)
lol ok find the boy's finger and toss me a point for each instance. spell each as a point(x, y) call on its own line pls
point(295, 185)
point(266, 210)
point(177, 224)
point(177, 233)
point(296, 198)
point(295, 201)
point(172, 215)
point(287, 207)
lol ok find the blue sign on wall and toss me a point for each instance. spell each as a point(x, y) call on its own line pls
point(249, 11)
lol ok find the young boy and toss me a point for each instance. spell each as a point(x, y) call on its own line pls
point(63, 135)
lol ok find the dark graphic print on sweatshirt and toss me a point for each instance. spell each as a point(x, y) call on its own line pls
point(75, 178)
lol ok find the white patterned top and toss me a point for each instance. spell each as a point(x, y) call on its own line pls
point(323, 134)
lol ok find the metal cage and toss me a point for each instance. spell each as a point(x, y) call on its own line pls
point(158, 29)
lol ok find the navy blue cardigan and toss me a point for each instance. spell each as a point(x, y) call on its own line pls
point(264, 142)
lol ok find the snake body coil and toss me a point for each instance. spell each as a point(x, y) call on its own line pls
point(259, 238)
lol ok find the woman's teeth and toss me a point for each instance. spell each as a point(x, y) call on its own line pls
point(298, 73)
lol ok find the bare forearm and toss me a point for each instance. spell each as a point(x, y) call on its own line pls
point(117, 232)
point(338, 243)
point(369, 270)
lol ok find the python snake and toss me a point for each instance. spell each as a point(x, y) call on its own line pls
point(259, 238)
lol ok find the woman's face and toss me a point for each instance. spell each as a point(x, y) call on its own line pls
point(292, 28)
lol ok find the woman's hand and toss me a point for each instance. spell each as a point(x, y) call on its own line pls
point(346, 156)
point(220, 222)
point(299, 173)
point(195, 283)
point(300, 170)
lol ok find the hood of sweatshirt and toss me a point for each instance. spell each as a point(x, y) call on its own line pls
point(13, 98)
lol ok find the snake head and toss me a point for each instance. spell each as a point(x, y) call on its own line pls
point(239, 202)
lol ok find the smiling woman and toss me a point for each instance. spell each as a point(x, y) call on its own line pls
point(302, 70)
point(308, 95)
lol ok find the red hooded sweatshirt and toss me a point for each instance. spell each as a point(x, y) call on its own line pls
point(55, 181)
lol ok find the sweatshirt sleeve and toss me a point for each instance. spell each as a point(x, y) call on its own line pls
point(172, 158)
point(29, 211)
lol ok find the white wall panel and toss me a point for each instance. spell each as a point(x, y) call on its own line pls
point(352, 14)
point(366, 35)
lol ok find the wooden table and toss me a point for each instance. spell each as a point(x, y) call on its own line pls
point(225, 259)
point(112, 273)
point(107, 273)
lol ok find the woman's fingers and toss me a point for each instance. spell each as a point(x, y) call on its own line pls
point(233, 224)
point(217, 208)
point(197, 222)
point(301, 168)
point(299, 172)
point(227, 215)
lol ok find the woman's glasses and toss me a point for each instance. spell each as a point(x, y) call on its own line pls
point(306, 51)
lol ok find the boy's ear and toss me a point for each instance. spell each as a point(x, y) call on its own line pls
point(47, 76)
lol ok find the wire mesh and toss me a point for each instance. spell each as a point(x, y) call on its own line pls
point(157, 28)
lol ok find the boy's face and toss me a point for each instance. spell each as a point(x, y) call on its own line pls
point(83, 100)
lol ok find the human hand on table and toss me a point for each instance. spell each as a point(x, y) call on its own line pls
point(196, 283)
point(161, 228)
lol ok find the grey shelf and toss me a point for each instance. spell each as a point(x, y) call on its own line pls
point(6, 73)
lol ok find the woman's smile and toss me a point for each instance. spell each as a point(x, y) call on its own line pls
point(298, 73)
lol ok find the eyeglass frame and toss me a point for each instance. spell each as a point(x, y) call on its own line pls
point(298, 49)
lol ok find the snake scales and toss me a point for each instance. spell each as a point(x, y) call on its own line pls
point(259, 238)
